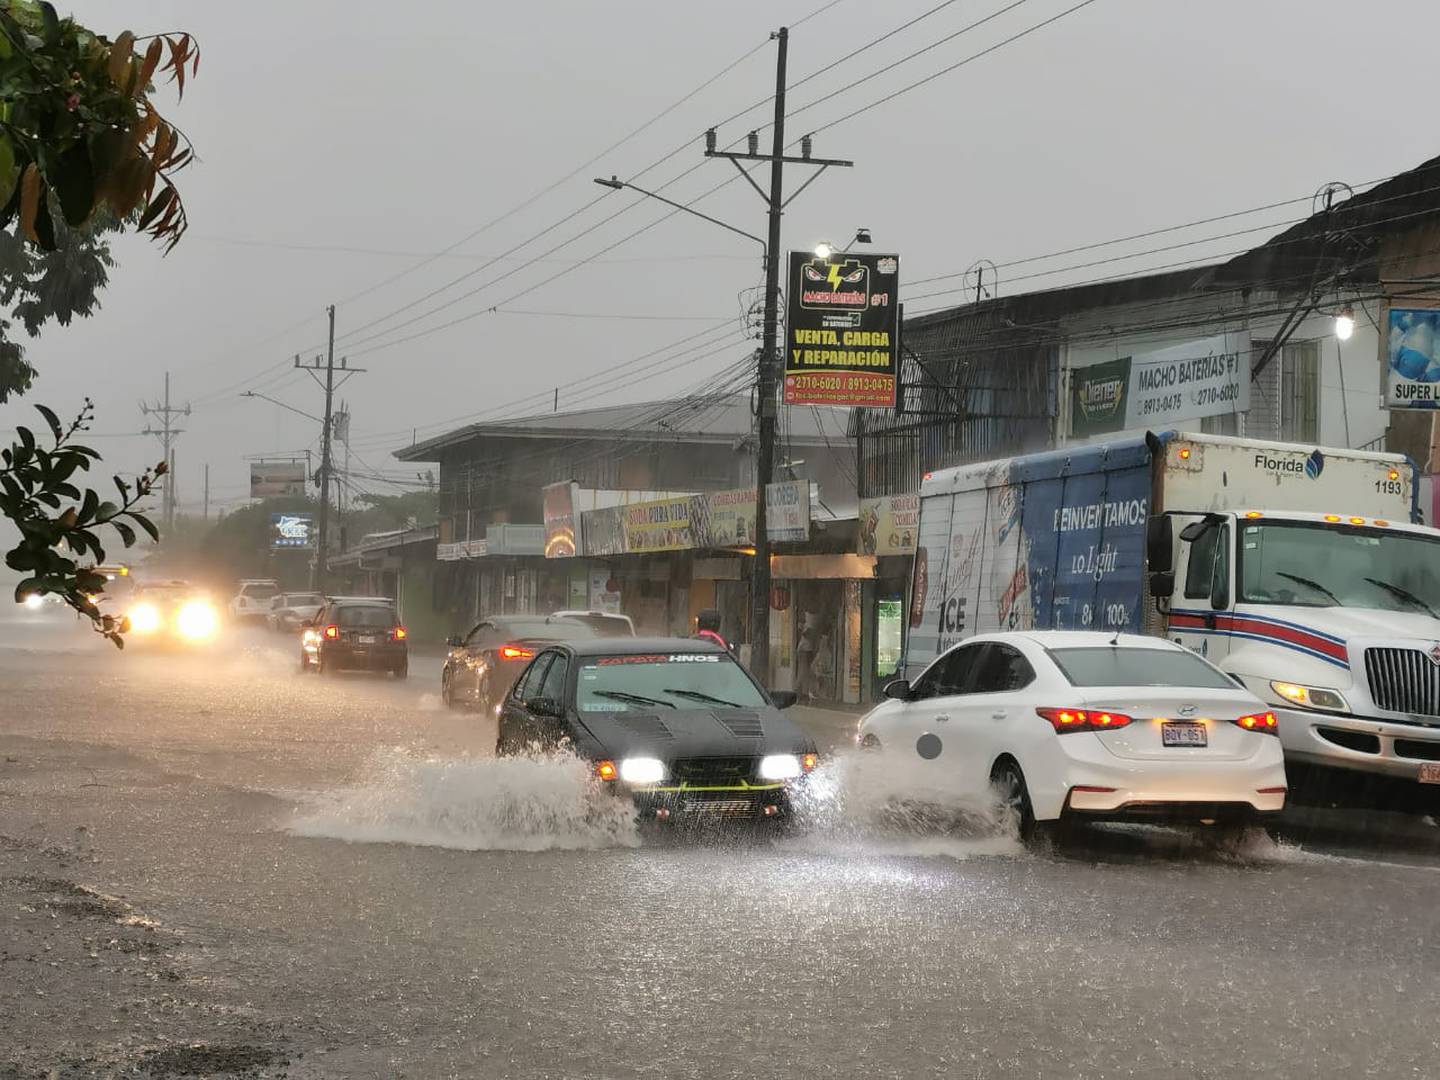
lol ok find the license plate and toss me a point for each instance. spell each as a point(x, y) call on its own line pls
point(366, 639)
point(1430, 773)
point(1183, 735)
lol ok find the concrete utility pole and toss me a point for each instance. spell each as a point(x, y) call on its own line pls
point(327, 424)
point(167, 433)
point(766, 376)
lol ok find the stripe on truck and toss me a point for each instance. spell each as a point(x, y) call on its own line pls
point(1261, 628)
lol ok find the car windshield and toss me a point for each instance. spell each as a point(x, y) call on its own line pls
point(366, 616)
point(1108, 665)
point(1324, 565)
point(674, 680)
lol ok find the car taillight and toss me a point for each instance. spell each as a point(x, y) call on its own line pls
point(1265, 723)
point(606, 770)
point(515, 652)
point(809, 761)
point(398, 634)
point(332, 632)
point(1065, 721)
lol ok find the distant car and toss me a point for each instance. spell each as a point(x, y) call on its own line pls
point(291, 611)
point(483, 664)
point(252, 600)
point(174, 612)
point(604, 623)
point(364, 635)
point(673, 723)
point(1073, 725)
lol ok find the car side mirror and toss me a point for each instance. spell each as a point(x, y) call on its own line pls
point(454, 641)
point(783, 699)
point(1162, 584)
point(899, 689)
point(1160, 544)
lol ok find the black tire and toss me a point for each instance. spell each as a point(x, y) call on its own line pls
point(322, 668)
point(504, 743)
point(403, 671)
point(304, 664)
point(447, 695)
point(1009, 781)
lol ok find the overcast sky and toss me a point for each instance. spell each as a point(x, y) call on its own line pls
point(343, 143)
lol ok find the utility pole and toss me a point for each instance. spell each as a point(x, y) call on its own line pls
point(327, 424)
point(776, 202)
point(167, 433)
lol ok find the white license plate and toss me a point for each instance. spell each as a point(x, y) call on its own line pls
point(366, 639)
point(1183, 735)
point(1430, 773)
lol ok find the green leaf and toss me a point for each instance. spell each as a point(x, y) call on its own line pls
point(74, 184)
point(148, 525)
point(68, 491)
point(44, 226)
point(106, 511)
point(49, 413)
point(9, 171)
point(127, 534)
point(27, 438)
point(87, 508)
point(51, 22)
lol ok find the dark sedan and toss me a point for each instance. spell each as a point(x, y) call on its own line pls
point(359, 634)
point(482, 666)
point(674, 723)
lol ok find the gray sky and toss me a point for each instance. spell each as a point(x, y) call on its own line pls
point(392, 131)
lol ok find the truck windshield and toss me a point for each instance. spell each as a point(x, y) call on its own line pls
point(1312, 564)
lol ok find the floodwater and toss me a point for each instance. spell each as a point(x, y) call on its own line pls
point(210, 864)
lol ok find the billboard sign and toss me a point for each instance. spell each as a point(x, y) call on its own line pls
point(1098, 395)
point(787, 510)
point(562, 539)
point(1208, 377)
point(659, 525)
point(1412, 359)
point(292, 531)
point(723, 518)
point(889, 525)
point(272, 478)
point(843, 330)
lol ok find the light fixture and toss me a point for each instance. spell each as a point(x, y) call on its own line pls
point(862, 236)
point(823, 251)
point(1345, 323)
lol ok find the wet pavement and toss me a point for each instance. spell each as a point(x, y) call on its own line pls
point(212, 865)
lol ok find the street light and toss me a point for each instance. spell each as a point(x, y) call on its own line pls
point(617, 184)
point(1345, 323)
point(823, 251)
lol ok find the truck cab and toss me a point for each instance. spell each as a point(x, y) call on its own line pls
point(1332, 619)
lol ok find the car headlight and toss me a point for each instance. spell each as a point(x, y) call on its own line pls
point(779, 767)
point(33, 601)
point(196, 620)
point(144, 618)
point(642, 770)
point(1310, 697)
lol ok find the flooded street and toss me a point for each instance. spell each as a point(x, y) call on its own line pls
point(217, 863)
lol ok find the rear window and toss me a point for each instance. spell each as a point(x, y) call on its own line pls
point(559, 630)
point(304, 599)
point(1115, 666)
point(604, 625)
point(259, 592)
point(366, 616)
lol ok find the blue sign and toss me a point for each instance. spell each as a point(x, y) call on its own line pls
point(292, 530)
point(1412, 359)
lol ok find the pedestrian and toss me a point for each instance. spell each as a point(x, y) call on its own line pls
point(707, 626)
point(806, 651)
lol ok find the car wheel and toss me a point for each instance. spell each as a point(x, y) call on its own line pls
point(447, 695)
point(304, 664)
point(1009, 782)
point(505, 744)
point(403, 671)
point(322, 668)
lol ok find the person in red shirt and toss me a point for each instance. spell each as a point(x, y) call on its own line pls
point(707, 625)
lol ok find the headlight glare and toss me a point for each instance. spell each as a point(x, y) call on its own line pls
point(1310, 697)
point(779, 767)
point(642, 770)
point(144, 618)
point(196, 620)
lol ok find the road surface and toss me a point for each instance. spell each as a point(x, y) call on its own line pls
point(212, 865)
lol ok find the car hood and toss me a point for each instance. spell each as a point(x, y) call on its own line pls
point(671, 734)
point(1353, 622)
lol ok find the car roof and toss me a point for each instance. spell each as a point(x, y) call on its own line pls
point(632, 646)
point(1080, 639)
point(370, 601)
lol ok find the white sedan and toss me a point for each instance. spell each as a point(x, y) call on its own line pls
point(1079, 725)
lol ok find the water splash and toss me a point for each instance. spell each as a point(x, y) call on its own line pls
point(478, 804)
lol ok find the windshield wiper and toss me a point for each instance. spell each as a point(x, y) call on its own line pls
point(1404, 594)
point(634, 699)
point(696, 695)
point(1308, 583)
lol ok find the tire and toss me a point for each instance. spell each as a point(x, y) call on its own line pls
point(403, 671)
point(304, 665)
point(322, 668)
point(504, 743)
point(1009, 781)
point(447, 695)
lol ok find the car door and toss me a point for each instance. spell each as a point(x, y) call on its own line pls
point(994, 701)
point(518, 725)
point(551, 724)
point(923, 726)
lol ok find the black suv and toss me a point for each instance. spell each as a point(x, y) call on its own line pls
point(365, 635)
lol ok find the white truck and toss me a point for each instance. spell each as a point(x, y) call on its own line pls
point(1294, 569)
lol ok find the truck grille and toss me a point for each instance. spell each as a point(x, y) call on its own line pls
point(703, 772)
point(1403, 680)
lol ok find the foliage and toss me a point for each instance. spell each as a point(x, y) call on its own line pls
point(34, 477)
point(385, 512)
point(39, 286)
point(76, 120)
